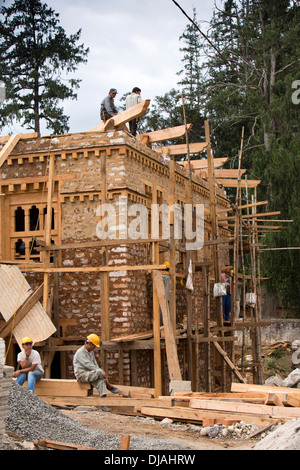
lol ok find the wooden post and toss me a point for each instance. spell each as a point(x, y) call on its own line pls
point(48, 228)
point(214, 227)
point(156, 313)
point(104, 276)
point(172, 251)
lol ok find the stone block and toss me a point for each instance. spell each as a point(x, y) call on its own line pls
point(179, 386)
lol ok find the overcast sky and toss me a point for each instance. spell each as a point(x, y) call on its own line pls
point(132, 43)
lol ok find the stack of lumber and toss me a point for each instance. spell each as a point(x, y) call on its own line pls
point(259, 404)
point(249, 403)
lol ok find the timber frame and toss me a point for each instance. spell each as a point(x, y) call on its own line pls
point(224, 233)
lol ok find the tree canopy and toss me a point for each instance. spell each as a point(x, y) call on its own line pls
point(244, 75)
point(37, 57)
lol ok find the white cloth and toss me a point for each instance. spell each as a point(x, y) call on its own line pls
point(34, 358)
point(132, 100)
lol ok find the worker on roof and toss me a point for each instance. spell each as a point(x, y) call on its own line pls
point(30, 365)
point(86, 368)
point(108, 109)
point(133, 99)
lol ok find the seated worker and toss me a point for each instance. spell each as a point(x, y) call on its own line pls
point(108, 108)
point(31, 367)
point(86, 368)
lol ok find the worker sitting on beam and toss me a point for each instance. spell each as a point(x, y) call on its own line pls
point(86, 368)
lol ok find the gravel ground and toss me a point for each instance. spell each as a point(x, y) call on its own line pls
point(34, 419)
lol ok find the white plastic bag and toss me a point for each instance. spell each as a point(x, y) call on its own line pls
point(219, 289)
point(251, 299)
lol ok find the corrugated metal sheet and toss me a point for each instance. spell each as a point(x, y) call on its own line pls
point(14, 290)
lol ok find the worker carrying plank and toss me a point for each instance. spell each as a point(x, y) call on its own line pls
point(108, 108)
point(133, 99)
point(86, 368)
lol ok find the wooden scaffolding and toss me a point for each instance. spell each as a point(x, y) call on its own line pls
point(213, 334)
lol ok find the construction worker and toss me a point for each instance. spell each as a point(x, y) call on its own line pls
point(131, 100)
point(108, 109)
point(30, 365)
point(226, 299)
point(86, 368)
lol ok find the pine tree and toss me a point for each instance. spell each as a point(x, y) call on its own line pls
point(35, 52)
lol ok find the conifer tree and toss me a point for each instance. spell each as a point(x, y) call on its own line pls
point(36, 58)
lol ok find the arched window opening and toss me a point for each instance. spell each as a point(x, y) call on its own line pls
point(19, 220)
point(34, 219)
point(20, 247)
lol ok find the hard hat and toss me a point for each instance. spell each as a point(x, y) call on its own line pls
point(167, 264)
point(26, 339)
point(92, 338)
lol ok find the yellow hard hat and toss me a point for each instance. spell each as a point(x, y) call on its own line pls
point(92, 338)
point(166, 263)
point(26, 339)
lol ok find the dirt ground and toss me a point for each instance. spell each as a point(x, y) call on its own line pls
point(115, 423)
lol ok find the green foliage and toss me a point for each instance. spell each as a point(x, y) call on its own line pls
point(246, 81)
point(35, 51)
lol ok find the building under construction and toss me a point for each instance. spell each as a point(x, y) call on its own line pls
point(62, 278)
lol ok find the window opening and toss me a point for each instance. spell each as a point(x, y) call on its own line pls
point(19, 220)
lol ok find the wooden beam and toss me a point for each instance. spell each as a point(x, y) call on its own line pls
point(172, 357)
point(229, 362)
point(121, 118)
point(232, 183)
point(29, 136)
point(249, 216)
point(95, 269)
point(182, 148)
point(8, 147)
point(224, 173)
point(165, 134)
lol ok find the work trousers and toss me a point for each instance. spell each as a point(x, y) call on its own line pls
point(226, 300)
point(32, 377)
point(96, 378)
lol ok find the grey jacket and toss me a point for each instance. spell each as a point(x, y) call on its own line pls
point(108, 106)
point(84, 361)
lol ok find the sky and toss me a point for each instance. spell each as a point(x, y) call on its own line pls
point(132, 43)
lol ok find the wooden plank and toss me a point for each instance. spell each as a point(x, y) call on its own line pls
point(121, 118)
point(8, 147)
point(249, 216)
point(229, 362)
point(203, 163)
point(181, 149)
point(28, 136)
point(165, 134)
point(197, 416)
point(22, 311)
point(247, 408)
point(171, 350)
point(125, 442)
point(146, 267)
point(60, 445)
point(223, 173)
point(238, 387)
point(110, 401)
point(290, 400)
point(233, 183)
point(273, 399)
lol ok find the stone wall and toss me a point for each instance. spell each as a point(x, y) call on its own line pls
point(6, 375)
